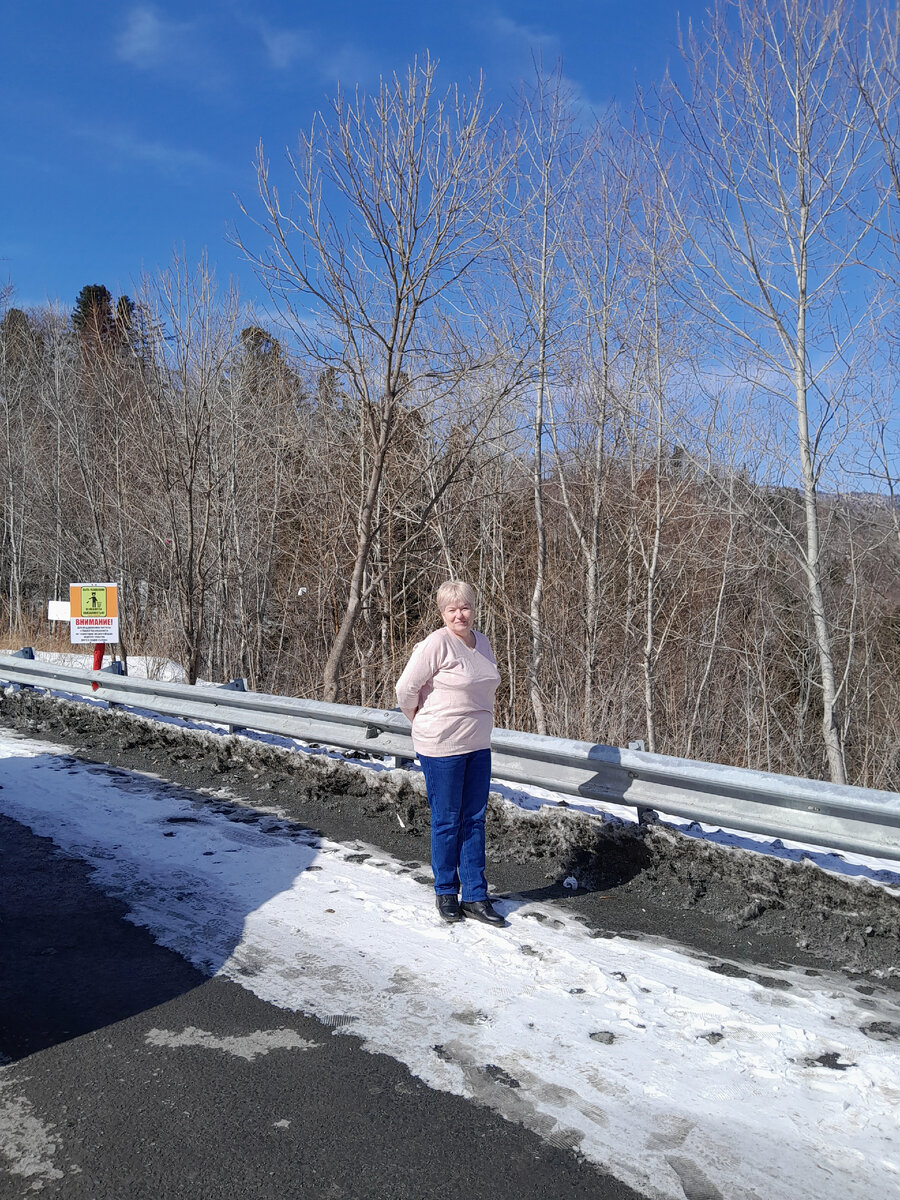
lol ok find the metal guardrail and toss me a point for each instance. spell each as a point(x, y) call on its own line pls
point(860, 820)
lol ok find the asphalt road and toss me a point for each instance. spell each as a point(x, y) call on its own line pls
point(129, 1075)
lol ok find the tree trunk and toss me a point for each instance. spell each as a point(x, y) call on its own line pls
point(537, 634)
point(331, 679)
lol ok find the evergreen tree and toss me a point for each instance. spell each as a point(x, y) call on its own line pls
point(93, 315)
point(125, 317)
point(265, 369)
point(16, 332)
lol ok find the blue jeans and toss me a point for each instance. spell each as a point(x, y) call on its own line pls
point(457, 796)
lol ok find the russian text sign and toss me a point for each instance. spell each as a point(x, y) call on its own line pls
point(93, 612)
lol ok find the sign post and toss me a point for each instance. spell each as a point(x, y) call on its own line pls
point(94, 617)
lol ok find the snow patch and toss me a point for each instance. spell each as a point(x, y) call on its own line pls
point(249, 1047)
point(26, 1142)
point(140, 666)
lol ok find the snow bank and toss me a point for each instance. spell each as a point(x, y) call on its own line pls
point(847, 920)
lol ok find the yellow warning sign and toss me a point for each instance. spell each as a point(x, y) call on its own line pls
point(94, 612)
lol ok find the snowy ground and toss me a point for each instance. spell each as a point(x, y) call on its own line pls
point(140, 666)
point(681, 1080)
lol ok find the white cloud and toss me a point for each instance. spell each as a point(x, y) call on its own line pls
point(123, 143)
point(284, 47)
point(149, 41)
point(349, 65)
point(528, 47)
point(180, 49)
point(524, 35)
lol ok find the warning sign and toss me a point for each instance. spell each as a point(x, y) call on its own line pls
point(93, 601)
point(93, 612)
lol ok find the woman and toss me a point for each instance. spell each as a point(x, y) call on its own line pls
point(447, 691)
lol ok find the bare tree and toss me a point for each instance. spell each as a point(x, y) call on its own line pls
point(584, 419)
point(389, 199)
point(874, 71)
point(19, 354)
point(777, 159)
point(194, 339)
point(533, 224)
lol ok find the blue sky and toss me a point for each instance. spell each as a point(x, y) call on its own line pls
point(130, 127)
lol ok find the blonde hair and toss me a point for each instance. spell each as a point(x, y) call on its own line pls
point(455, 589)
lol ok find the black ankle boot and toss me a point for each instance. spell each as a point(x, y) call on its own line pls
point(448, 907)
point(481, 910)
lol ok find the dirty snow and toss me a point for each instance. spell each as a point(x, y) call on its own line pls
point(681, 1075)
point(884, 872)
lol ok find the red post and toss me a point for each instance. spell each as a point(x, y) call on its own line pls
point(99, 647)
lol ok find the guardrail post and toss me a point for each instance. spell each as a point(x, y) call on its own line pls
point(25, 652)
point(397, 761)
point(235, 685)
point(645, 816)
point(116, 667)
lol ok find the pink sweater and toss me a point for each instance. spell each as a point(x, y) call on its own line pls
point(447, 691)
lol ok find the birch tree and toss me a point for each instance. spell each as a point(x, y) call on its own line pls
point(777, 162)
point(533, 225)
point(874, 74)
point(585, 422)
point(19, 353)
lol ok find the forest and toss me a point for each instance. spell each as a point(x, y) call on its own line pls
point(632, 374)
